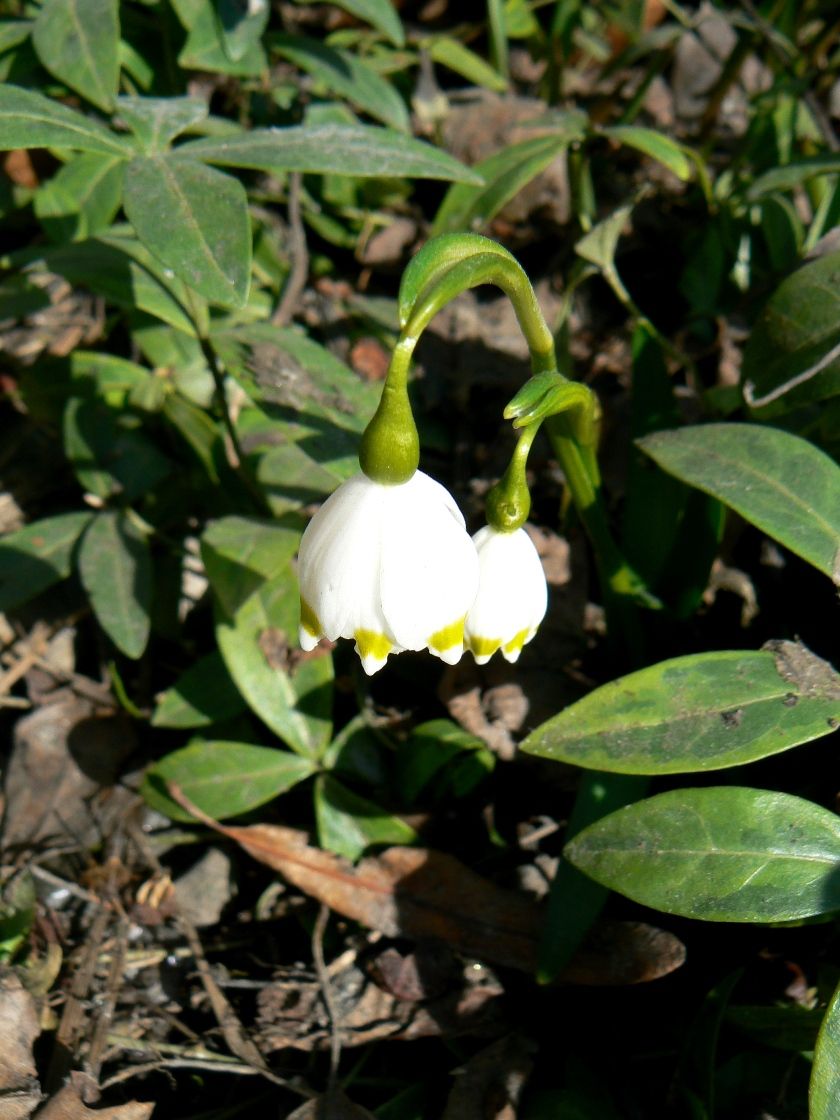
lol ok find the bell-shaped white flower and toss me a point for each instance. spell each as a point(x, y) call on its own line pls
point(512, 595)
point(391, 566)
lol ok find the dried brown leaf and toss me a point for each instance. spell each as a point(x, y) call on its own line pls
point(19, 1027)
point(67, 1104)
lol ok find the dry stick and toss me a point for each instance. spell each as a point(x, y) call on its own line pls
point(299, 253)
point(327, 992)
point(108, 1006)
point(232, 1030)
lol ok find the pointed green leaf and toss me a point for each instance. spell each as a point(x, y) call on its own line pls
point(78, 42)
point(380, 14)
point(824, 1091)
point(155, 121)
point(793, 174)
point(776, 481)
point(109, 456)
point(349, 824)
point(599, 245)
point(706, 711)
point(241, 553)
point(207, 47)
point(504, 174)
point(222, 778)
point(343, 73)
point(195, 220)
point(242, 23)
point(116, 570)
point(654, 144)
point(358, 150)
point(724, 854)
point(82, 198)
point(37, 556)
point(30, 120)
point(455, 56)
point(792, 356)
point(204, 694)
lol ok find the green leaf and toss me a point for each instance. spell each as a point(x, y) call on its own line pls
point(792, 175)
point(824, 1090)
point(349, 824)
point(82, 198)
point(207, 47)
point(78, 42)
point(37, 556)
point(599, 245)
point(345, 74)
point(116, 269)
point(455, 56)
point(109, 457)
point(155, 121)
point(654, 144)
point(358, 150)
point(116, 571)
point(241, 553)
point(223, 779)
point(379, 14)
point(776, 481)
point(791, 1027)
point(242, 25)
point(30, 120)
point(295, 702)
point(793, 353)
point(13, 32)
point(204, 694)
point(431, 748)
point(505, 174)
point(724, 854)
point(706, 711)
point(195, 220)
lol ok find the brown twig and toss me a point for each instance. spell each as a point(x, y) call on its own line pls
point(299, 254)
point(327, 992)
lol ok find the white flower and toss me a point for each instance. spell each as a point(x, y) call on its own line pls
point(512, 595)
point(391, 566)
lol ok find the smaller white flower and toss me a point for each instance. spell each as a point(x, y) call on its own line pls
point(390, 566)
point(512, 595)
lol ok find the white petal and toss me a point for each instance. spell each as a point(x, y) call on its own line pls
point(429, 575)
point(512, 596)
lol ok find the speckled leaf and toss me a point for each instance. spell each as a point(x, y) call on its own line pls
point(724, 854)
point(706, 711)
point(358, 150)
point(30, 120)
point(78, 42)
point(824, 1092)
point(195, 221)
point(157, 120)
point(777, 481)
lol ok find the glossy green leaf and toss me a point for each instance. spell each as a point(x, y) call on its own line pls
point(777, 481)
point(357, 150)
point(824, 1090)
point(109, 457)
point(30, 120)
point(792, 356)
point(380, 14)
point(654, 144)
point(155, 121)
point(78, 42)
point(724, 854)
point(343, 73)
point(37, 556)
point(706, 711)
point(82, 198)
point(349, 824)
point(116, 570)
point(204, 694)
point(505, 174)
point(790, 1027)
point(222, 778)
point(241, 553)
point(455, 56)
point(195, 220)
